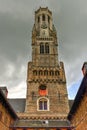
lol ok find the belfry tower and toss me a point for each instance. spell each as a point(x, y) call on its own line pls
point(46, 83)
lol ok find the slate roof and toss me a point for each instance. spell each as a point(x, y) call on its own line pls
point(82, 90)
point(18, 104)
point(70, 103)
point(41, 124)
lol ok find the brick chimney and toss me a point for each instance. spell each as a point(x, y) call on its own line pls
point(84, 68)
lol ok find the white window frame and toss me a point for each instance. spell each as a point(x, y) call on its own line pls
point(45, 99)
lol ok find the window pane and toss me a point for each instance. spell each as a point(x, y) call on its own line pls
point(40, 105)
point(45, 72)
point(45, 105)
point(43, 17)
point(38, 19)
point(41, 48)
point(47, 48)
point(57, 73)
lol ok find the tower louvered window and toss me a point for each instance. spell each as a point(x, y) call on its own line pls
point(41, 48)
point(43, 17)
point(47, 48)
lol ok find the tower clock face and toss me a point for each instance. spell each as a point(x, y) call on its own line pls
point(44, 29)
point(44, 26)
point(44, 32)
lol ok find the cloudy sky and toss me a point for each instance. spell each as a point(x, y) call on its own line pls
point(16, 22)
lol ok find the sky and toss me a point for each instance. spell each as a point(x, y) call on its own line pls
point(16, 22)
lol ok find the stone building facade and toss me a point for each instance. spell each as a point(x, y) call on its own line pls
point(46, 83)
point(78, 112)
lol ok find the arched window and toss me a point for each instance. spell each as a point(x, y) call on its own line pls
point(51, 72)
point(40, 72)
point(43, 17)
point(57, 73)
point(47, 48)
point(38, 19)
point(41, 48)
point(48, 19)
point(46, 72)
point(43, 104)
point(34, 72)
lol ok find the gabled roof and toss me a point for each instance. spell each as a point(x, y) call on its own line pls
point(7, 105)
point(82, 90)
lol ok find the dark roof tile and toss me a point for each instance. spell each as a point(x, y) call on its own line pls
point(18, 104)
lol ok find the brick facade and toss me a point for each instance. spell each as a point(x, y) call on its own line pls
point(78, 112)
point(7, 114)
point(80, 117)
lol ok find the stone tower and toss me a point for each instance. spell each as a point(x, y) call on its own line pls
point(46, 83)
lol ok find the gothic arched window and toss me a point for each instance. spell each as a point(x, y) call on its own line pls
point(38, 19)
point(41, 48)
point(51, 72)
point(57, 73)
point(40, 72)
point(47, 48)
point(35, 72)
point(43, 104)
point(48, 19)
point(43, 17)
point(46, 72)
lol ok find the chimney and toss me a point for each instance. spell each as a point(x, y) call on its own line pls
point(4, 90)
point(84, 68)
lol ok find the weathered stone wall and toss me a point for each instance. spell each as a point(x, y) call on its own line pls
point(46, 70)
point(56, 87)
